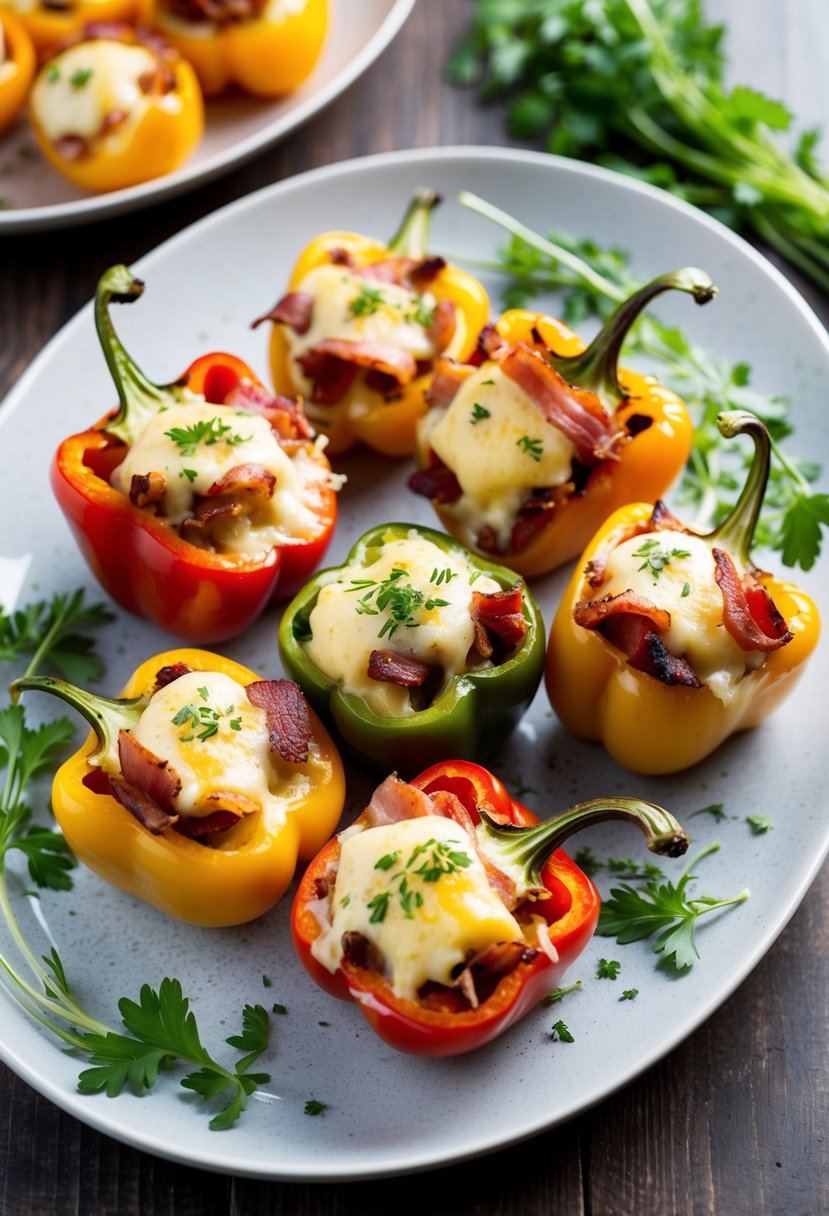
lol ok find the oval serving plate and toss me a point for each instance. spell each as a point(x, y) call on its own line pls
point(386, 1114)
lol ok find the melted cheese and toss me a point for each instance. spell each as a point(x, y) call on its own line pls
point(106, 76)
point(489, 454)
point(343, 635)
point(685, 587)
point(235, 759)
point(459, 914)
point(292, 510)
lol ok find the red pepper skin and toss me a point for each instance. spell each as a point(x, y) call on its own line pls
point(145, 565)
point(571, 912)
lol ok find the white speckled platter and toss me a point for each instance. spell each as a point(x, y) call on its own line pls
point(35, 197)
point(388, 1114)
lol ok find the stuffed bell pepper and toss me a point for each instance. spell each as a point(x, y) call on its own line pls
point(361, 326)
point(50, 24)
point(527, 447)
point(263, 47)
point(414, 648)
point(115, 110)
point(200, 786)
point(667, 641)
point(195, 503)
point(447, 912)
point(17, 67)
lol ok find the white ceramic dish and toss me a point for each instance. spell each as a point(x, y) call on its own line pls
point(238, 127)
point(388, 1114)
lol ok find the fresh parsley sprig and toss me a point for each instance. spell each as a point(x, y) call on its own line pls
point(47, 630)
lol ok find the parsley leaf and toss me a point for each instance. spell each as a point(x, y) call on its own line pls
point(759, 824)
point(608, 969)
point(314, 1107)
point(47, 631)
point(561, 1031)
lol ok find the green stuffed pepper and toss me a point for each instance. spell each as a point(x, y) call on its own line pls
point(415, 649)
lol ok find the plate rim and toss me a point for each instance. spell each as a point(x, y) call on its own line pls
point(91, 1112)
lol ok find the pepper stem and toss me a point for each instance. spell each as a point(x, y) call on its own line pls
point(529, 848)
point(106, 717)
point(736, 533)
point(596, 368)
point(412, 237)
point(140, 399)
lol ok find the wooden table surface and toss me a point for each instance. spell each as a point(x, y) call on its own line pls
point(735, 1120)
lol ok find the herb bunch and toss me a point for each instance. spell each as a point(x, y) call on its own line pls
point(639, 86)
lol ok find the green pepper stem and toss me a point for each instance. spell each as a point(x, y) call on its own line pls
point(529, 848)
point(596, 368)
point(736, 533)
point(412, 237)
point(140, 399)
point(106, 717)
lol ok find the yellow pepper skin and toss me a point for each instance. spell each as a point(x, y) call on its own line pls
point(49, 27)
point(213, 885)
point(264, 56)
point(363, 415)
point(16, 70)
point(155, 144)
point(648, 726)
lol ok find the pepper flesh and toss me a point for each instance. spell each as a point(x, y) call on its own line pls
point(471, 712)
point(363, 415)
point(263, 55)
point(52, 25)
point(156, 143)
point(654, 429)
point(245, 869)
point(17, 68)
point(646, 725)
point(569, 906)
point(141, 561)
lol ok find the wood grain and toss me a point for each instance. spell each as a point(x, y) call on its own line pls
point(735, 1121)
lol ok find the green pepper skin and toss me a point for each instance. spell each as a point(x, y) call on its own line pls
point(474, 712)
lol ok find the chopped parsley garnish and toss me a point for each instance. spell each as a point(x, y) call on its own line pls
point(715, 809)
point(657, 557)
point(204, 720)
point(561, 1031)
point(436, 857)
point(53, 74)
point(314, 1107)
point(686, 590)
point(558, 994)
point(190, 474)
point(478, 413)
point(278, 1008)
point(386, 862)
point(367, 301)
point(532, 447)
point(487, 382)
point(207, 431)
point(759, 824)
point(629, 994)
point(401, 600)
point(81, 78)
point(608, 969)
point(445, 575)
point(422, 314)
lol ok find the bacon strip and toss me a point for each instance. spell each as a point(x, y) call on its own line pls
point(296, 310)
point(147, 812)
point(577, 413)
point(444, 323)
point(147, 773)
point(438, 483)
point(395, 800)
point(248, 479)
point(379, 356)
point(147, 488)
point(173, 671)
point(749, 615)
point(196, 826)
point(330, 377)
point(286, 416)
point(492, 963)
point(389, 667)
point(197, 527)
point(490, 343)
point(448, 377)
point(498, 613)
point(632, 624)
point(594, 613)
point(653, 657)
point(289, 722)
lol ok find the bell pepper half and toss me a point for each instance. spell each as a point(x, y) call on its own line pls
point(17, 67)
point(148, 138)
point(365, 388)
point(118, 806)
point(143, 562)
point(52, 25)
point(264, 49)
point(663, 687)
point(531, 387)
point(492, 984)
point(464, 713)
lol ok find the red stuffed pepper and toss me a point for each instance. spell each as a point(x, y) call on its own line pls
point(447, 911)
point(194, 503)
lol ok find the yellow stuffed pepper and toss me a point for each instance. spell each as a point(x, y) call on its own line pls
point(265, 47)
point(17, 67)
point(360, 328)
point(199, 787)
point(112, 112)
point(53, 24)
point(666, 642)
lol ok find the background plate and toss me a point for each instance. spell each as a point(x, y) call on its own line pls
point(238, 127)
point(389, 1114)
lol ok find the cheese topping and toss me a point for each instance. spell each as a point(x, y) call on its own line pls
point(178, 726)
point(425, 619)
point(417, 891)
point(78, 90)
point(675, 571)
point(195, 445)
point(500, 448)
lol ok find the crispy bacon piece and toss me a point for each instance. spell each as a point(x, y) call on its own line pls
point(443, 326)
point(377, 356)
point(448, 377)
point(652, 656)
point(147, 773)
point(173, 671)
point(360, 952)
point(289, 722)
point(404, 272)
point(395, 800)
point(147, 812)
point(749, 612)
point(245, 479)
point(296, 310)
point(196, 826)
point(576, 412)
point(218, 12)
point(389, 667)
point(491, 964)
point(197, 528)
point(286, 416)
point(498, 613)
point(594, 613)
point(490, 343)
point(632, 624)
point(331, 378)
point(97, 781)
point(71, 147)
point(661, 520)
point(438, 483)
point(146, 489)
